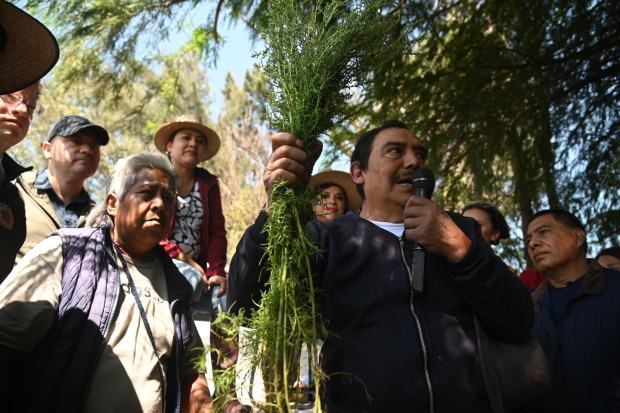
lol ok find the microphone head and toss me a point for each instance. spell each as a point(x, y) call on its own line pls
point(425, 180)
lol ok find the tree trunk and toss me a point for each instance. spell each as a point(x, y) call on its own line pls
point(522, 185)
point(547, 158)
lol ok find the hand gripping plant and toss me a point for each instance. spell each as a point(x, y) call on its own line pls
point(312, 60)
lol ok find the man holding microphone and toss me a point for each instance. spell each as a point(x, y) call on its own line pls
point(414, 352)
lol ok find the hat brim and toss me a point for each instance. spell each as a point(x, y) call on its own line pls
point(31, 50)
point(164, 134)
point(96, 130)
point(343, 180)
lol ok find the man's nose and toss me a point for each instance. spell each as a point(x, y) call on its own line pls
point(412, 160)
point(157, 204)
point(20, 110)
point(86, 148)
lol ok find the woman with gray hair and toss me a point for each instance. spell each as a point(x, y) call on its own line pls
point(123, 177)
point(109, 312)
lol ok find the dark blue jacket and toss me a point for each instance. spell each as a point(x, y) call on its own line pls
point(58, 371)
point(583, 349)
point(415, 353)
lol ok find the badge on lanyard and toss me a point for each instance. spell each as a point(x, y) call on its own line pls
point(6, 216)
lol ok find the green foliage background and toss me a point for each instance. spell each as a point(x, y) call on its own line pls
point(517, 100)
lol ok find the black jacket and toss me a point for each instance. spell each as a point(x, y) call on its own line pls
point(415, 353)
point(12, 216)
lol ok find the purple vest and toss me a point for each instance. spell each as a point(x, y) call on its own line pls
point(59, 370)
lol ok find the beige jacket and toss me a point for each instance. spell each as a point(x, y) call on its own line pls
point(41, 218)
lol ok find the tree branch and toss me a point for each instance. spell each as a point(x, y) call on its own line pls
point(217, 16)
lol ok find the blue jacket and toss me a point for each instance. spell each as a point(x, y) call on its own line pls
point(415, 353)
point(583, 349)
point(58, 371)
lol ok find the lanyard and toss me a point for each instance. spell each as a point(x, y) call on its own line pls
point(134, 291)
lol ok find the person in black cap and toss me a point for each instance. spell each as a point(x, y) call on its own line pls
point(28, 51)
point(55, 196)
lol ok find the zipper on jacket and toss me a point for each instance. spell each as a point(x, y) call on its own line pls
point(419, 327)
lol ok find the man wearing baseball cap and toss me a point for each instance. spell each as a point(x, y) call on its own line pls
point(55, 196)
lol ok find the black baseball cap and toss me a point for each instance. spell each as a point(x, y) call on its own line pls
point(70, 125)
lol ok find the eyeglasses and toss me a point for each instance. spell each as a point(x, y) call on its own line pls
point(14, 99)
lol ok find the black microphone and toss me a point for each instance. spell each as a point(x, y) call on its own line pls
point(423, 185)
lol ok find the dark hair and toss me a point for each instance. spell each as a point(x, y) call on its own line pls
point(565, 218)
point(363, 147)
point(327, 185)
point(613, 251)
point(498, 222)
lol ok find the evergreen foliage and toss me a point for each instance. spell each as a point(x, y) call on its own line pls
point(311, 62)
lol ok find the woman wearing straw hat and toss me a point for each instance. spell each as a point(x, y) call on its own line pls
point(197, 234)
point(338, 195)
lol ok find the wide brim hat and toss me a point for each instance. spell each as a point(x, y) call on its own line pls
point(28, 50)
point(163, 135)
point(343, 180)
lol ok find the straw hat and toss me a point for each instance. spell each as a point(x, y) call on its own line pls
point(164, 134)
point(28, 50)
point(343, 180)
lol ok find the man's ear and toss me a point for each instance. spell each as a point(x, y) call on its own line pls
point(357, 174)
point(580, 236)
point(47, 150)
point(112, 204)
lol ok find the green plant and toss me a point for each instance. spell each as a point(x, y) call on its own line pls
point(312, 61)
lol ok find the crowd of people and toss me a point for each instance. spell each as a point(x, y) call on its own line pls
point(98, 313)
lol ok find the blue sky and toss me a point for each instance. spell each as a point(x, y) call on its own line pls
point(235, 55)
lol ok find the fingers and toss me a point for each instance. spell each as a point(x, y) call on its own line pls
point(283, 138)
point(218, 280)
point(223, 287)
point(417, 201)
point(289, 161)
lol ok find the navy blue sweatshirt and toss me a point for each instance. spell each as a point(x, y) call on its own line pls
point(414, 352)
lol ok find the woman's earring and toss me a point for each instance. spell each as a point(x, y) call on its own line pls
point(167, 153)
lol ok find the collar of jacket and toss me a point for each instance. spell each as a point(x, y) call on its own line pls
point(11, 168)
point(28, 183)
point(593, 283)
point(204, 175)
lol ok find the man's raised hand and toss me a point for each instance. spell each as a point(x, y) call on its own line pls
point(428, 224)
point(289, 161)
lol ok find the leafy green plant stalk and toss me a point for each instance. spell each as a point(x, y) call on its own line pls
point(312, 60)
point(315, 55)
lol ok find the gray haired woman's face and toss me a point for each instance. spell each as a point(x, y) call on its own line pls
point(143, 217)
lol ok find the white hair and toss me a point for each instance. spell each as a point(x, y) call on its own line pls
point(123, 177)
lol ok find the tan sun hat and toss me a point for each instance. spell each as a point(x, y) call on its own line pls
point(343, 180)
point(28, 50)
point(164, 134)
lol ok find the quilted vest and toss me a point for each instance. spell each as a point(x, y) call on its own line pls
point(59, 370)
